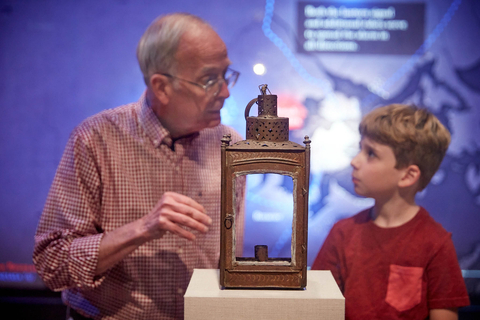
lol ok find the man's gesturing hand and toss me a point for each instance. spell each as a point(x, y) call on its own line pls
point(172, 213)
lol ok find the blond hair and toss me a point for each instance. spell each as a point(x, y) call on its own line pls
point(415, 135)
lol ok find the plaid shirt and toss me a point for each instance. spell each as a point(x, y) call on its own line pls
point(116, 166)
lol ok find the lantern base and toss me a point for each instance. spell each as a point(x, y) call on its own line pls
point(253, 277)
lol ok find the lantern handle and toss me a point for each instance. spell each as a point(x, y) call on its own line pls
point(264, 88)
point(249, 105)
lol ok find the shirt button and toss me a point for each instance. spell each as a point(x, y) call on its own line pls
point(180, 291)
point(180, 250)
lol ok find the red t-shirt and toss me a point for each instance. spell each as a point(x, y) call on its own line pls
point(393, 273)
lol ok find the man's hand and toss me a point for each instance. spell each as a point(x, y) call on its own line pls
point(173, 213)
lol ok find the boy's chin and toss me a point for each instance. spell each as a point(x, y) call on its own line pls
point(362, 193)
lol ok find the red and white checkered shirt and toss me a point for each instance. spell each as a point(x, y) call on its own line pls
point(116, 166)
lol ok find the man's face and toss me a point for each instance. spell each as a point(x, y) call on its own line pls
point(201, 56)
point(374, 174)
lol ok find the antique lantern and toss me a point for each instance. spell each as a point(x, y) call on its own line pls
point(267, 149)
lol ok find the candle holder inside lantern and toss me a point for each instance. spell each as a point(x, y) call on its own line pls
point(265, 150)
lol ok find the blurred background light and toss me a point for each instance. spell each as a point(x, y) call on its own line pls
point(259, 69)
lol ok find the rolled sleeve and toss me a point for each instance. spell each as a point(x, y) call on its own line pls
point(83, 260)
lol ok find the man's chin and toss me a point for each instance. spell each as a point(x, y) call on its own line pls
point(214, 119)
point(214, 123)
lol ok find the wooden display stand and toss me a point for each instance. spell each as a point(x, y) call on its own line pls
point(205, 300)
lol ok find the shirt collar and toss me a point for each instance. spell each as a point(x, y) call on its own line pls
point(152, 126)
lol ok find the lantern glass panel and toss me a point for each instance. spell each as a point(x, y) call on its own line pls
point(269, 218)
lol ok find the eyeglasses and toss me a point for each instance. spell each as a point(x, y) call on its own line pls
point(213, 86)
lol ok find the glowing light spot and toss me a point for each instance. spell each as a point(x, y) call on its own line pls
point(259, 69)
point(292, 108)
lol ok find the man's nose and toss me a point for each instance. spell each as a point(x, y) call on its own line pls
point(224, 92)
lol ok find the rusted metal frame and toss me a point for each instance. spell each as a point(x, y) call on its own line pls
point(297, 170)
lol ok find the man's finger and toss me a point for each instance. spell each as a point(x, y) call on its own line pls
point(192, 213)
point(182, 219)
point(185, 200)
point(179, 231)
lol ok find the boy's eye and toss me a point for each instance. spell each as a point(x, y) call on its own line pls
point(370, 153)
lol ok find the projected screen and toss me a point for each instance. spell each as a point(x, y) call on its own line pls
point(364, 27)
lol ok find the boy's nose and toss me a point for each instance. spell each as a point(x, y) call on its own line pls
point(354, 162)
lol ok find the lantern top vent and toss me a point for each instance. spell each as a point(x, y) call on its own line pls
point(267, 126)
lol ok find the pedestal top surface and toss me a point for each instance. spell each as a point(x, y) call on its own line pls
point(320, 285)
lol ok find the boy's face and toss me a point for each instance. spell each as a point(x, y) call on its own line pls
point(374, 174)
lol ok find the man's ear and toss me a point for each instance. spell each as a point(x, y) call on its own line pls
point(411, 175)
point(161, 88)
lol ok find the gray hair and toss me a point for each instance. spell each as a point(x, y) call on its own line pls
point(158, 45)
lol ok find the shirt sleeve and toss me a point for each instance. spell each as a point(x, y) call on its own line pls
point(329, 257)
point(446, 287)
point(68, 235)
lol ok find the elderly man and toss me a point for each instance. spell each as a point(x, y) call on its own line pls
point(135, 203)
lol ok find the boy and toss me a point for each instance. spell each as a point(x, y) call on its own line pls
point(393, 261)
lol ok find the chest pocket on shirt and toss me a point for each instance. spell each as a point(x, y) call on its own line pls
point(404, 287)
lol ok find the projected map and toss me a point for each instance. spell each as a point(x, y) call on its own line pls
point(426, 78)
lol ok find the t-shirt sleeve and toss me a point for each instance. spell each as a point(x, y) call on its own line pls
point(446, 287)
point(329, 257)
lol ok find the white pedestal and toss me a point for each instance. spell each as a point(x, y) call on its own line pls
point(205, 300)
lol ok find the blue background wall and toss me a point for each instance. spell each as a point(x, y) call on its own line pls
point(62, 61)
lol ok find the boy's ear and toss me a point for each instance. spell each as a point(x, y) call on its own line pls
point(410, 176)
point(161, 88)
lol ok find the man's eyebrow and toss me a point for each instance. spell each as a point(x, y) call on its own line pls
point(209, 69)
